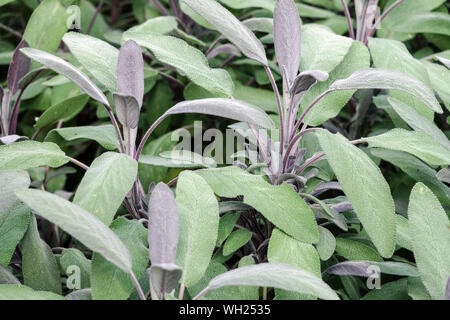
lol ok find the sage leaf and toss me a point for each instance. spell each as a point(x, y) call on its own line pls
point(417, 170)
point(386, 54)
point(64, 110)
point(108, 281)
point(285, 249)
point(227, 108)
point(96, 56)
point(275, 275)
point(71, 258)
point(19, 67)
point(386, 79)
point(199, 221)
point(105, 135)
point(130, 72)
point(20, 292)
point(417, 143)
point(362, 268)
point(430, 239)
point(418, 122)
point(13, 225)
point(356, 250)
point(80, 224)
point(6, 276)
point(66, 69)
point(12, 180)
point(287, 37)
point(163, 227)
point(365, 187)
point(105, 185)
point(227, 24)
point(31, 154)
point(326, 245)
point(281, 205)
point(47, 25)
point(39, 266)
point(236, 240)
point(177, 53)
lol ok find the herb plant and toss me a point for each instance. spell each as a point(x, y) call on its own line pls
point(334, 184)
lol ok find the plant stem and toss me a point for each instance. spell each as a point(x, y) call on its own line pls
point(384, 15)
point(79, 163)
point(362, 28)
point(293, 143)
point(302, 117)
point(138, 286)
point(349, 19)
point(213, 45)
point(15, 114)
point(201, 294)
point(10, 30)
point(97, 11)
point(261, 146)
point(280, 107)
point(116, 127)
point(320, 155)
point(147, 135)
point(181, 294)
point(159, 7)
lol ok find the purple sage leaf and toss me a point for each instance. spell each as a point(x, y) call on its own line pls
point(164, 278)
point(306, 80)
point(69, 71)
point(127, 110)
point(350, 268)
point(287, 37)
point(130, 71)
point(12, 138)
point(19, 67)
point(227, 108)
point(225, 49)
point(163, 226)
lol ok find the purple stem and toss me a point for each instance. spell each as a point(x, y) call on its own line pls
point(159, 6)
point(116, 127)
point(201, 294)
point(13, 122)
point(10, 30)
point(138, 286)
point(384, 15)
point(292, 144)
point(97, 11)
point(302, 117)
point(280, 107)
point(147, 135)
point(363, 22)
point(349, 19)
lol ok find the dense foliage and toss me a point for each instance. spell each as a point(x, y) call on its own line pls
point(203, 149)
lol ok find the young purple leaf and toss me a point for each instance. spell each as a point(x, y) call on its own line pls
point(11, 139)
point(225, 49)
point(130, 71)
point(127, 110)
point(164, 278)
point(306, 80)
point(19, 67)
point(163, 226)
point(350, 268)
point(287, 37)
point(365, 268)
